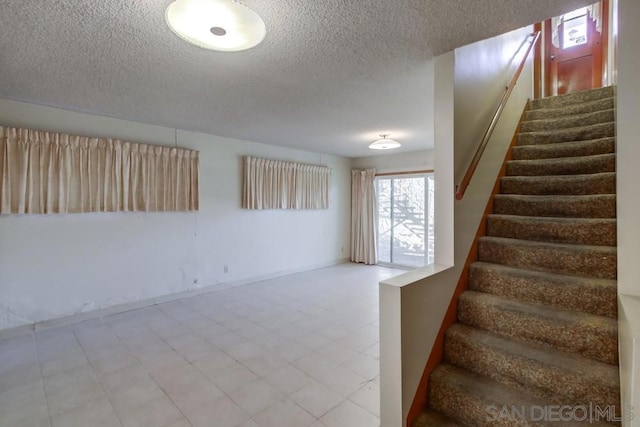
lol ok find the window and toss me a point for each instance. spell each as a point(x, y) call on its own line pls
point(575, 28)
point(405, 220)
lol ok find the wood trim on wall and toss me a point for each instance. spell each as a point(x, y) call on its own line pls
point(547, 89)
point(421, 399)
point(537, 64)
point(606, 78)
point(405, 173)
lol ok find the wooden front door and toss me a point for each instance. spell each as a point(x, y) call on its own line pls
point(573, 59)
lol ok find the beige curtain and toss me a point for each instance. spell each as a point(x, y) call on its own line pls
point(276, 184)
point(48, 172)
point(363, 216)
point(556, 21)
point(595, 12)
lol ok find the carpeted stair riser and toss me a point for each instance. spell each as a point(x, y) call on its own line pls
point(584, 294)
point(572, 110)
point(434, 419)
point(560, 258)
point(594, 337)
point(564, 149)
point(563, 166)
point(572, 99)
point(591, 118)
point(550, 374)
point(579, 231)
point(582, 206)
point(468, 397)
point(599, 183)
point(585, 133)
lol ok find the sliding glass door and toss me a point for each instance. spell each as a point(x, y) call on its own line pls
point(405, 220)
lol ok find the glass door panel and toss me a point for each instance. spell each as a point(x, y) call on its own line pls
point(405, 220)
point(409, 221)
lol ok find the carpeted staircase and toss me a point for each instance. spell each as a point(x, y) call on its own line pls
point(538, 323)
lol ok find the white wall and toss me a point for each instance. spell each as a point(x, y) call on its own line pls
point(409, 305)
point(468, 100)
point(396, 162)
point(628, 201)
point(57, 265)
point(483, 71)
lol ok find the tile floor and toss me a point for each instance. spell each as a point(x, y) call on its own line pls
point(296, 351)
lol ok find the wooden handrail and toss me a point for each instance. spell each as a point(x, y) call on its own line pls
point(494, 121)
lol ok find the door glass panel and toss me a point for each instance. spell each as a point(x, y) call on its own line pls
point(574, 31)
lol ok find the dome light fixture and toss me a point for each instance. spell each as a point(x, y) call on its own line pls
point(223, 25)
point(384, 144)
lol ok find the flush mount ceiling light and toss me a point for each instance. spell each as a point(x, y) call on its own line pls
point(384, 143)
point(224, 25)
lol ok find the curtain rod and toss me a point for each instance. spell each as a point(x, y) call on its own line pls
point(405, 173)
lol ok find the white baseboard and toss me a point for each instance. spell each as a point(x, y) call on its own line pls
point(121, 308)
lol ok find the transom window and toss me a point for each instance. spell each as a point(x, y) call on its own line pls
point(575, 28)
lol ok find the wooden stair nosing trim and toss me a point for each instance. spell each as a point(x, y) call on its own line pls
point(436, 357)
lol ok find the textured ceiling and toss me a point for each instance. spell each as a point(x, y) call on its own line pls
point(329, 76)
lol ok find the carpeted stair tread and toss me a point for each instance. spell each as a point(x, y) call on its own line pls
point(563, 166)
point(582, 133)
point(563, 378)
point(538, 322)
point(431, 418)
point(565, 149)
point(577, 120)
point(573, 98)
point(580, 231)
point(580, 206)
point(561, 258)
point(595, 183)
point(467, 396)
point(570, 110)
point(475, 400)
point(594, 337)
point(584, 294)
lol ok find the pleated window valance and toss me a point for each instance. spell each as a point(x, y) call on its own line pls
point(276, 184)
point(48, 172)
